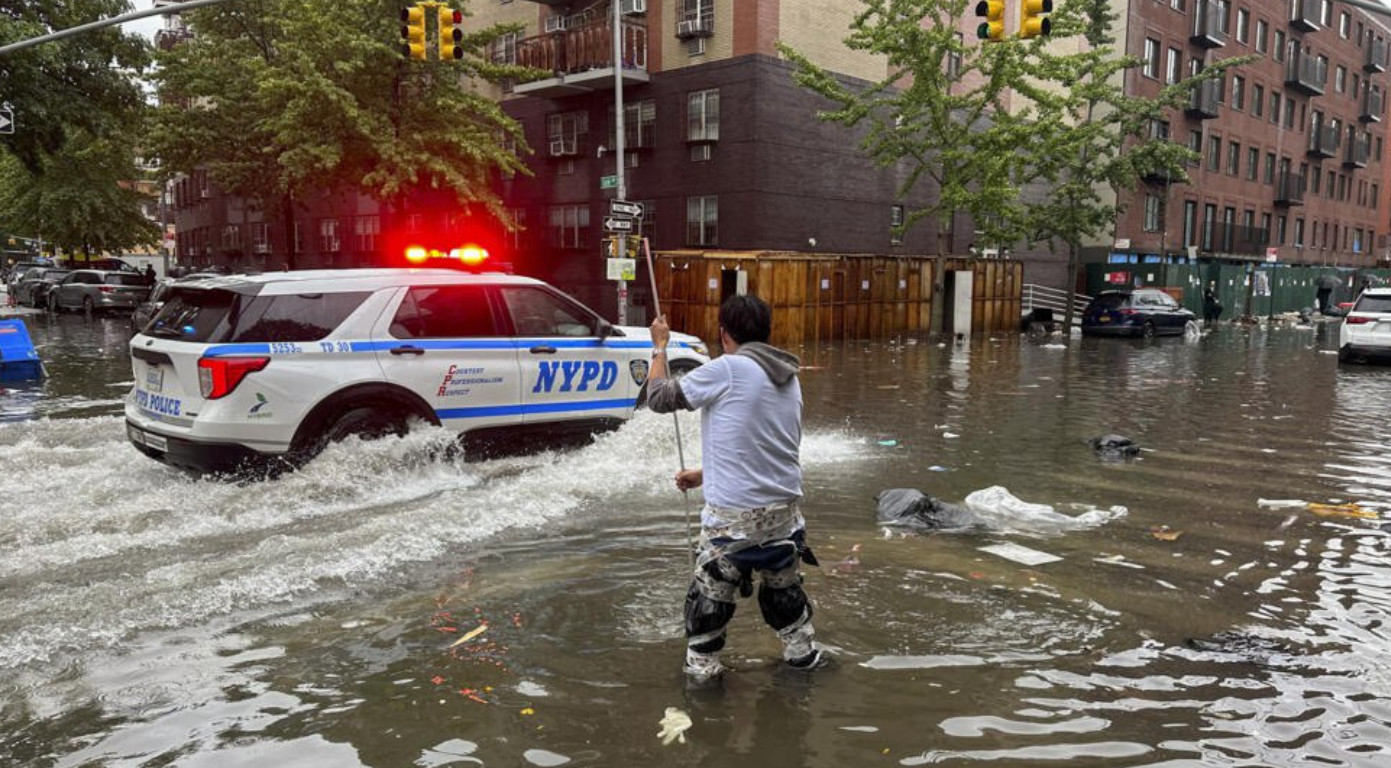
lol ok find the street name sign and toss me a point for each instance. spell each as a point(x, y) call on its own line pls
point(6, 120)
point(613, 224)
point(608, 182)
point(625, 208)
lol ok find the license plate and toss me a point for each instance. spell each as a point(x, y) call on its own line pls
point(1103, 319)
point(136, 436)
point(154, 378)
point(156, 441)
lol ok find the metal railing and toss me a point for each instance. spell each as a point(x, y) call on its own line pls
point(1043, 297)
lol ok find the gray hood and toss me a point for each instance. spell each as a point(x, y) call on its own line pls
point(779, 365)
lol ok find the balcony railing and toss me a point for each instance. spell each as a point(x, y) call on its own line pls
point(1324, 140)
point(1359, 150)
point(1208, 22)
point(1376, 55)
point(1373, 106)
point(1289, 189)
point(1306, 73)
point(1234, 238)
point(580, 49)
point(1304, 15)
point(1204, 101)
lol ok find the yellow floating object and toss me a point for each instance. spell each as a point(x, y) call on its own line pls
point(475, 632)
point(1342, 510)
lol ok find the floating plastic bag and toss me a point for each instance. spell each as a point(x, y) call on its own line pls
point(1004, 511)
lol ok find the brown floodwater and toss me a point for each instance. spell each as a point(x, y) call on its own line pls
point(149, 619)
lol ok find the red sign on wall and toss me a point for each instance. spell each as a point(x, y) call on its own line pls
point(1117, 278)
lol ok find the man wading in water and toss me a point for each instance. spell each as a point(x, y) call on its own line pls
point(751, 434)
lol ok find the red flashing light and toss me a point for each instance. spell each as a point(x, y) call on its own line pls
point(470, 255)
point(219, 376)
point(417, 255)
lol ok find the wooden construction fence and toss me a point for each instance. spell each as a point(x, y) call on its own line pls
point(822, 297)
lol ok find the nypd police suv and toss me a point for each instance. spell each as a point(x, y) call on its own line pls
point(241, 371)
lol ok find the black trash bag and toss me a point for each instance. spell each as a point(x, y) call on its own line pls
point(1114, 447)
point(911, 508)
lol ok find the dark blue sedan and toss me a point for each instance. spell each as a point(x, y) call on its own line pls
point(1144, 312)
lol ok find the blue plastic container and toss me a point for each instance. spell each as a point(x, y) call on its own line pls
point(18, 360)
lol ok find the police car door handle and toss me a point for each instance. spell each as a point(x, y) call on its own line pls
point(543, 349)
point(407, 350)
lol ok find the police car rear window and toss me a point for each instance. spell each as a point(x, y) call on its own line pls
point(224, 317)
point(124, 279)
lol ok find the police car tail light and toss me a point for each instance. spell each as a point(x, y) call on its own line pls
point(1353, 320)
point(219, 376)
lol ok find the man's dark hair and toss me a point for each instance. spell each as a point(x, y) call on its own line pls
point(746, 318)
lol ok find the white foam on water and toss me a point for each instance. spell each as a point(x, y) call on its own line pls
point(98, 542)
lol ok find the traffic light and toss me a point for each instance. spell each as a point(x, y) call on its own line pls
point(1031, 20)
point(414, 32)
point(993, 26)
point(451, 36)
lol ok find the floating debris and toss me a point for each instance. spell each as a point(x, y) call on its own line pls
point(674, 726)
point(1165, 533)
point(1020, 554)
point(475, 632)
point(1343, 510)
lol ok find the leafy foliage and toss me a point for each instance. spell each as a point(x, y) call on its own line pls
point(281, 99)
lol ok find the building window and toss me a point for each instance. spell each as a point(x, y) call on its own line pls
point(1175, 72)
point(329, 241)
point(699, 12)
point(569, 226)
point(639, 125)
point(1176, 5)
point(702, 220)
point(517, 235)
point(1195, 144)
point(1159, 130)
point(1151, 66)
point(1262, 36)
point(1340, 78)
point(1209, 224)
point(703, 115)
point(505, 49)
point(1289, 112)
point(563, 132)
point(1375, 190)
point(1190, 223)
point(1243, 26)
point(1238, 92)
point(895, 225)
point(1280, 230)
point(260, 238)
point(1316, 181)
point(1152, 207)
point(231, 238)
point(1344, 25)
point(1299, 232)
point(366, 229)
point(1274, 106)
point(1253, 163)
point(700, 153)
point(1234, 159)
point(1269, 168)
point(1279, 45)
point(1326, 13)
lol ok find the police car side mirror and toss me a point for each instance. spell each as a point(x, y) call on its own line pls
point(606, 330)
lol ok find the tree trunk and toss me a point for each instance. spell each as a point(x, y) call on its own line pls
point(287, 215)
point(939, 272)
point(1074, 256)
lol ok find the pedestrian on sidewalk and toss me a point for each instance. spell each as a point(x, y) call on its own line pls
point(751, 433)
point(1212, 308)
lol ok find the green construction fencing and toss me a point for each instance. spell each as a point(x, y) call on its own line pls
point(1277, 288)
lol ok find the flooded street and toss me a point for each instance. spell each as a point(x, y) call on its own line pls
point(149, 619)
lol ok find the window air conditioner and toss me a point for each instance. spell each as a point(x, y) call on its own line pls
point(687, 28)
point(632, 7)
point(557, 23)
point(561, 147)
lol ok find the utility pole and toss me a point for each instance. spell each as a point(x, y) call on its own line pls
point(619, 138)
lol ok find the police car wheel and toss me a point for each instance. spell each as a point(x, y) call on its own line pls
point(366, 424)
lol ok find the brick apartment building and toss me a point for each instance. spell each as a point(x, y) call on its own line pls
point(1292, 144)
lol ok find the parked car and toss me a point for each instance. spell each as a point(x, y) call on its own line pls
point(93, 290)
point(1365, 334)
point(33, 287)
point(247, 371)
point(12, 272)
point(147, 309)
point(1144, 312)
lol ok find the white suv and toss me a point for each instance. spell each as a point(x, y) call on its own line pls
point(240, 372)
point(1365, 334)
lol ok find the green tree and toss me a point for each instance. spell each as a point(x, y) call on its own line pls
point(279, 100)
point(81, 199)
point(1089, 140)
point(87, 83)
point(942, 113)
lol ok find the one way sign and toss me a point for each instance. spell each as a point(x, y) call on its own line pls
point(6, 120)
point(613, 224)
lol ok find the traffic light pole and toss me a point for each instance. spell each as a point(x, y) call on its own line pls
point(619, 138)
point(164, 10)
